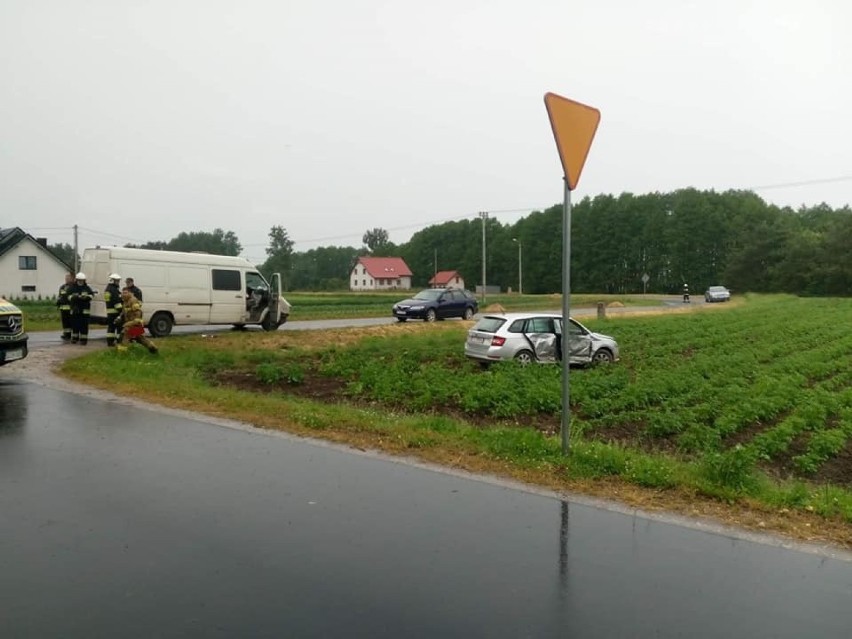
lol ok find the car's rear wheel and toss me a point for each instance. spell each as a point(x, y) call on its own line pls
point(468, 313)
point(401, 319)
point(524, 357)
point(602, 356)
point(430, 315)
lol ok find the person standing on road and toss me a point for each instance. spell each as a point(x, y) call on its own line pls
point(112, 299)
point(64, 306)
point(686, 293)
point(133, 288)
point(80, 296)
point(132, 326)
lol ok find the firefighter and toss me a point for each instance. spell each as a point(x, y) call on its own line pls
point(80, 296)
point(686, 293)
point(132, 326)
point(112, 299)
point(64, 306)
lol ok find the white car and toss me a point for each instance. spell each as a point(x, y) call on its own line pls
point(536, 337)
point(717, 294)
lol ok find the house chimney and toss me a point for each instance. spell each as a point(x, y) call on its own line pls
point(42, 241)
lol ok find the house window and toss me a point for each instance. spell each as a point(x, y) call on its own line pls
point(27, 262)
point(363, 282)
point(28, 289)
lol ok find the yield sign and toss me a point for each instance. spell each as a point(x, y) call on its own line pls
point(574, 127)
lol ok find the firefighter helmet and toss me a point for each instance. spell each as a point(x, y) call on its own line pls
point(115, 276)
point(80, 276)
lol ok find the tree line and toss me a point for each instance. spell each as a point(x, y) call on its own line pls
point(700, 238)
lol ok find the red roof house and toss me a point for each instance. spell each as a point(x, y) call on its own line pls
point(447, 279)
point(379, 273)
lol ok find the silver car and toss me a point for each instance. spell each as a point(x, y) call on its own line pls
point(536, 337)
point(717, 294)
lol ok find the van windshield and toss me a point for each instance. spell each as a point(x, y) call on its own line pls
point(255, 280)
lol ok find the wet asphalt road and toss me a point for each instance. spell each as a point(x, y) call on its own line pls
point(123, 522)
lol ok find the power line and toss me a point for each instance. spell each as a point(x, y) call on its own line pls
point(787, 185)
point(113, 235)
point(409, 226)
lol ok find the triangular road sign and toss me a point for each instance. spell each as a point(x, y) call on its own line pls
point(574, 126)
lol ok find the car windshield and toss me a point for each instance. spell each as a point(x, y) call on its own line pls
point(428, 295)
point(717, 289)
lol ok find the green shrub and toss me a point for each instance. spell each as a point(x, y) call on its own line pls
point(733, 468)
point(269, 373)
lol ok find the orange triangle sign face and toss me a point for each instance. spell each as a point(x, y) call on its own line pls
point(574, 126)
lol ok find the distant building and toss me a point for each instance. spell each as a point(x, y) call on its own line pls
point(447, 279)
point(379, 274)
point(28, 269)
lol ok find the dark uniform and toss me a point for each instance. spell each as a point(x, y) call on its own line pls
point(132, 325)
point(112, 299)
point(80, 296)
point(685, 292)
point(64, 306)
point(131, 286)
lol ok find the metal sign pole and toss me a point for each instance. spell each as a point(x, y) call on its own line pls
point(566, 314)
point(484, 217)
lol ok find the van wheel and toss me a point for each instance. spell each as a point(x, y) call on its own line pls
point(268, 324)
point(160, 325)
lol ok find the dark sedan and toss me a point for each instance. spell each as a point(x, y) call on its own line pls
point(437, 303)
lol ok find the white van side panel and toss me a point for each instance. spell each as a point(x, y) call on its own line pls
point(189, 292)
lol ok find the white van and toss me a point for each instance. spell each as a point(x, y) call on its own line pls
point(188, 288)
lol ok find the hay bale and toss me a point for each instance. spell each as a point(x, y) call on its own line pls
point(494, 308)
point(615, 304)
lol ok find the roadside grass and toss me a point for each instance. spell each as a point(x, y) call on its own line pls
point(750, 409)
point(42, 315)
point(39, 315)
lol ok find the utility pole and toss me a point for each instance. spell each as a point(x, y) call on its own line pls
point(483, 216)
point(520, 266)
point(436, 262)
point(76, 251)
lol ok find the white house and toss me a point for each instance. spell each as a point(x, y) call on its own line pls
point(379, 274)
point(28, 269)
point(447, 279)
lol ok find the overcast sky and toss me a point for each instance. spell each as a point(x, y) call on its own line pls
point(140, 119)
